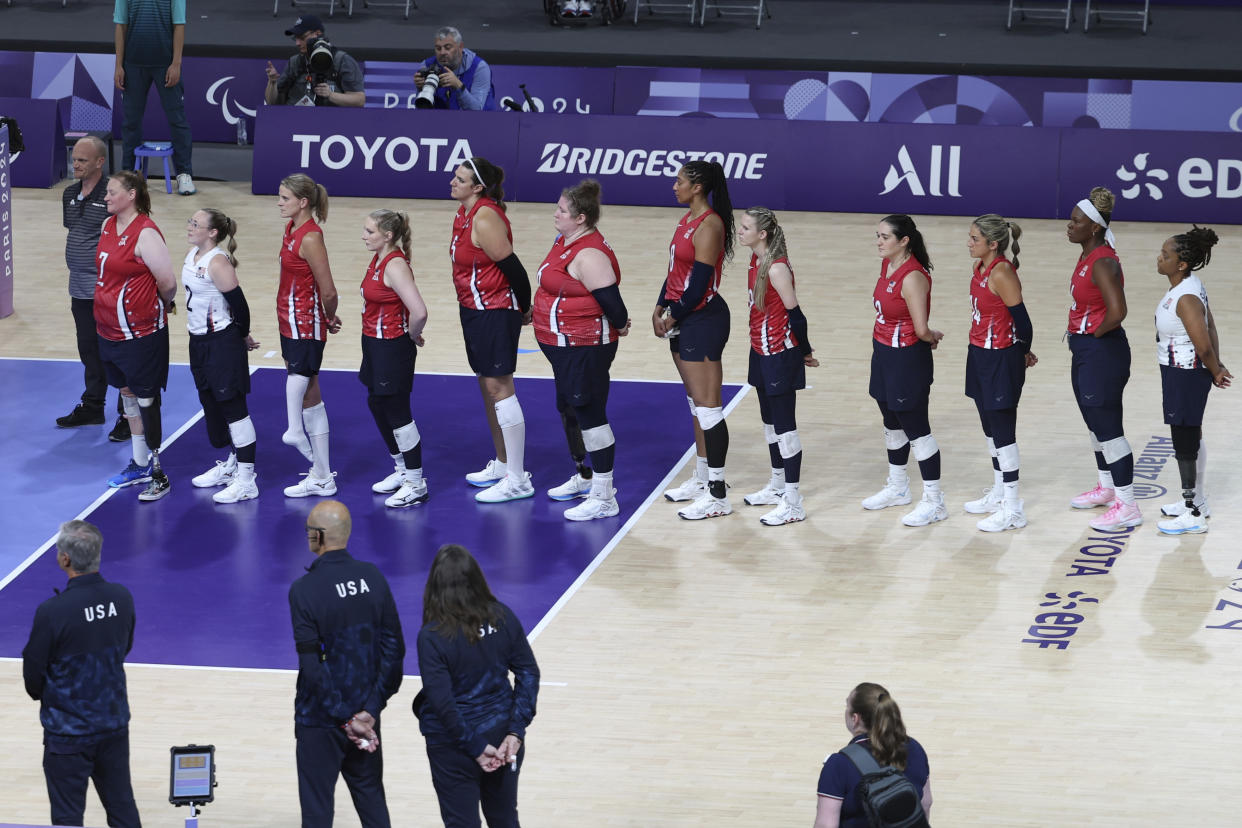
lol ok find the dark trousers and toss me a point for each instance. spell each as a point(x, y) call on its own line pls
point(94, 379)
point(462, 786)
point(105, 763)
point(323, 754)
point(138, 81)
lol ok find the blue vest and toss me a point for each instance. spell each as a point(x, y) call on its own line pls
point(447, 98)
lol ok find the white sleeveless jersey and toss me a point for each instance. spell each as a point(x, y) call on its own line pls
point(206, 309)
point(1173, 345)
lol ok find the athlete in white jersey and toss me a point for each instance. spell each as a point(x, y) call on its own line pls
point(206, 310)
point(1173, 344)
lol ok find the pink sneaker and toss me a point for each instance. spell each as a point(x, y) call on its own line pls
point(1099, 496)
point(1119, 516)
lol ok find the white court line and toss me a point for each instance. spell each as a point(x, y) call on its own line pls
point(624, 530)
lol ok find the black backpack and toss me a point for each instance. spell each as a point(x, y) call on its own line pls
point(888, 798)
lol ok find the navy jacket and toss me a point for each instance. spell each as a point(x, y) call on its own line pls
point(74, 662)
point(350, 648)
point(466, 692)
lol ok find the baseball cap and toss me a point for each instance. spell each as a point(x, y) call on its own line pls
point(305, 23)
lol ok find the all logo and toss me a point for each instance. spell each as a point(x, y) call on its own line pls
point(1195, 178)
point(938, 170)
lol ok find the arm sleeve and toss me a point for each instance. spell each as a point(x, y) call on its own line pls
point(696, 289)
point(1022, 327)
point(311, 667)
point(797, 323)
point(474, 97)
point(392, 658)
point(350, 74)
point(610, 300)
point(438, 689)
point(36, 655)
point(662, 301)
point(240, 309)
point(525, 680)
point(511, 266)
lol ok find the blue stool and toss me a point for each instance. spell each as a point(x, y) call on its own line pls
point(154, 150)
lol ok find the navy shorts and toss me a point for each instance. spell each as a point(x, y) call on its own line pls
point(303, 355)
point(994, 376)
point(901, 378)
point(1099, 368)
point(776, 374)
point(138, 364)
point(1185, 394)
point(388, 365)
point(581, 374)
point(219, 365)
point(491, 340)
point(702, 335)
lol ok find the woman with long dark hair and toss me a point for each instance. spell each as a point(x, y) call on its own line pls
point(474, 721)
point(693, 316)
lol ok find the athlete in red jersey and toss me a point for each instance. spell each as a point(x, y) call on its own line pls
point(136, 287)
point(779, 356)
point(493, 292)
point(578, 314)
point(305, 305)
point(393, 316)
point(894, 315)
point(1088, 304)
point(996, 362)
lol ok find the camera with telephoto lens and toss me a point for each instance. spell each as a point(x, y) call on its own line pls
point(426, 98)
point(319, 58)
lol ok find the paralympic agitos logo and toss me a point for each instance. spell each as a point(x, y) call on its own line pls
point(558, 158)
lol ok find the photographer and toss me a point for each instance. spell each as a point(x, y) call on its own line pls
point(458, 77)
point(309, 79)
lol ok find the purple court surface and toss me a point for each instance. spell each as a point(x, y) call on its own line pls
point(210, 582)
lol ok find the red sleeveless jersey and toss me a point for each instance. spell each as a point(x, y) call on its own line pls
point(893, 324)
point(127, 301)
point(479, 282)
point(297, 300)
point(565, 313)
point(1087, 307)
point(991, 324)
point(681, 261)
point(384, 315)
point(770, 332)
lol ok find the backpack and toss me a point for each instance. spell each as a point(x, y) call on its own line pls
point(888, 798)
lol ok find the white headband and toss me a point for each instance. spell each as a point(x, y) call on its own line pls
point(470, 161)
point(1089, 210)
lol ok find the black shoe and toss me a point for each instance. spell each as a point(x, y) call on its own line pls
point(81, 415)
point(120, 431)
point(157, 488)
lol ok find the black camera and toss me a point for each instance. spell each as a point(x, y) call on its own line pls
point(319, 53)
point(426, 98)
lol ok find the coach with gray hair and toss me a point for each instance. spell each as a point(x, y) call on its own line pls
point(465, 79)
point(74, 665)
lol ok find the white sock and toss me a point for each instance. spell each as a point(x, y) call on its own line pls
point(1126, 494)
point(700, 468)
point(142, 454)
point(792, 494)
point(245, 472)
point(898, 476)
point(295, 390)
point(411, 476)
point(601, 485)
point(316, 419)
point(778, 479)
point(513, 432)
point(1106, 478)
point(932, 488)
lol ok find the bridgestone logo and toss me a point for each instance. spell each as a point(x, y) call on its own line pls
point(560, 158)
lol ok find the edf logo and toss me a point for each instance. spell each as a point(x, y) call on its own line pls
point(1195, 178)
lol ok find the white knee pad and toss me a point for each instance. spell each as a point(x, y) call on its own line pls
point(509, 412)
point(1095, 444)
point(894, 439)
point(1007, 456)
point(694, 412)
point(242, 432)
point(146, 402)
point(1115, 449)
point(709, 418)
point(597, 438)
point(790, 445)
point(769, 433)
point(315, 419)
point(130, 404)
point(407, 436)
point(923, 447)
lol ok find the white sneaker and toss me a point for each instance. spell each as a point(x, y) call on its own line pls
point(299, 441)
point(1002, 519)
point(221, 474)
point(705, 506)
point(692, 489)
point(507, 489)
point(311, 485)
point(575, 487)
point(185, 184)
point(408, 494)
point(1187, 523)
point(392, 482)
point(991, 501)
point(490, 475)
point(930, 509)
point(786, 512)
point(767, 496)
point(1177, 508)
point(237, 491)
point(893, 494)
point(569, 8)
point(594, 508)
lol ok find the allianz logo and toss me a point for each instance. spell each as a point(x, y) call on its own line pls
point(398, 153)
point(562, 158)
point(1195, 178)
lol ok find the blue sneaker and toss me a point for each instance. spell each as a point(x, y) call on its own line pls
point(131, 475)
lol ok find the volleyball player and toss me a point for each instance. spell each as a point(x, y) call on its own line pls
point(996, 361)
point(494, 293)
point(1188, 350)
point(779, 356)
point(578, 316)
point(1100, 363)
point(393, 317)
point(694, 318)
point(901, 368)
point(218, 318)
point(306, 312)
point(135, 292)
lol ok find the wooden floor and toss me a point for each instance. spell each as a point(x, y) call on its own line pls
point(698, 676)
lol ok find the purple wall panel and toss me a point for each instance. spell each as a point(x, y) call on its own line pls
point(43, 162)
